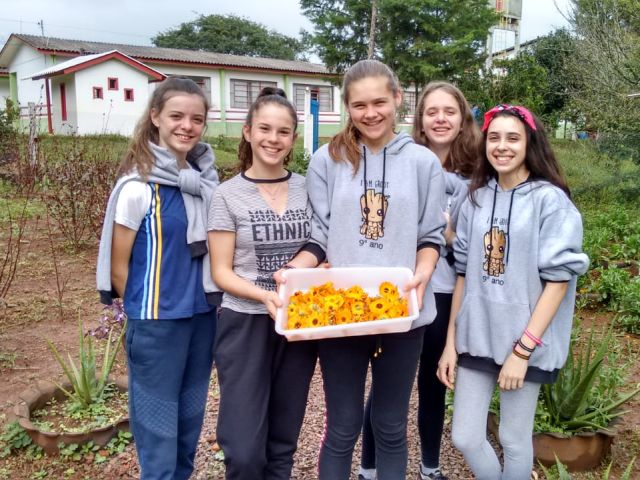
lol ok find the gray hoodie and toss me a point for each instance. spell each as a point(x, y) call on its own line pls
point(384, 221)
point(508, 246)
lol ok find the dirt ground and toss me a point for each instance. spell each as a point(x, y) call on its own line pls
point(32, 314)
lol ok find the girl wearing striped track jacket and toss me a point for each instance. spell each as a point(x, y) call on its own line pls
point(153, 253)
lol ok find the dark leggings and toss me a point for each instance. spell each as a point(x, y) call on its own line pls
point(344, 363)
point(431, 393)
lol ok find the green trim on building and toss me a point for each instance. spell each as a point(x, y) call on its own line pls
point(286, 86)
point(223, 97)
point(13, 87)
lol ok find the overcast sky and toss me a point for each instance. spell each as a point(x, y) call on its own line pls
point(134, 22)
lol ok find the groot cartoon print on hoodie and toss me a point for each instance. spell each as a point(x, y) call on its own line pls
point(374, 208)
point(495, 242)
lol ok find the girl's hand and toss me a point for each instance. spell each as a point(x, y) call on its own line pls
point(272, 302)
point(447, 366)
point(419, 282)
point(511, 375)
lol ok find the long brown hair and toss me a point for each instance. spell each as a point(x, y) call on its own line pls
point(539, 159)
point(464, 152)
point(266, 96)
point(139, 155)
point(344, 145)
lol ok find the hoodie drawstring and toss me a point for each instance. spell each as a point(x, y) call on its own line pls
point(384, 176)
point(513, 192)
point(493, 211)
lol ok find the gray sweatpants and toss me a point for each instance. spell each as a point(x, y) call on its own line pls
point(473, 392)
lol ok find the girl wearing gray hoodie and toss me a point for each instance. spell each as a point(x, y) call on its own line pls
point(518, 252)
point(378, 201)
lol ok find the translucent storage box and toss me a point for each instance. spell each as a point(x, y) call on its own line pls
point(369, 278)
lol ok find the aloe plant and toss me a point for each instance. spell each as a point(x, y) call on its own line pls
point(87, 383)
point(573, 403)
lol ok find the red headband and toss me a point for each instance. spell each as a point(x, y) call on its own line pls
point(522, 113)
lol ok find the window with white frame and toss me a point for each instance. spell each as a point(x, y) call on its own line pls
point(244, 92)
point(322, 93)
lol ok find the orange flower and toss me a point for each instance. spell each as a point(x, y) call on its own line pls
point(378, 306)
point(343, 316)
point(324, 305)
point(388, 290)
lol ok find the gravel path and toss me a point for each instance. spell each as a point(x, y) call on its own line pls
point(208, 467)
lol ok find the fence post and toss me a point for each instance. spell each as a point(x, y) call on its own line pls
point(33, 136)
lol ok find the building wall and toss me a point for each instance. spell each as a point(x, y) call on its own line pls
point(5, 91)
point(26, 62)
point(229, 120)
point(70, 125)
point(110, 114)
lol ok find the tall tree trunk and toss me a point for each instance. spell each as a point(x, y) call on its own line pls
point(372, 33)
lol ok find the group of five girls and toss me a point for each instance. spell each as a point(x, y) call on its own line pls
point(372, 197)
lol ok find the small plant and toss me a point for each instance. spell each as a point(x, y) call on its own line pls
point(560, 472)
point(586, 396)
point(14, 438)
point(87, 382)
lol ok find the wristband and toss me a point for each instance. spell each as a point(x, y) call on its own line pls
point(532, 337)
point(518, 354)
point(521, 344)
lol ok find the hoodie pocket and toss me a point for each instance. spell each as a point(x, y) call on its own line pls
point(489, 328)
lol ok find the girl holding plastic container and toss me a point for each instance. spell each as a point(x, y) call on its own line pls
point(518, 254)
point(378, 201)
point(153, 253)
point(258, 220)
point(443, 123)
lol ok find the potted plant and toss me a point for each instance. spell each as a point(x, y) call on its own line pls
point(83, 397)
point(575, 418)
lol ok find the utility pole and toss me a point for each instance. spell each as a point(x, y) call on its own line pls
point(41, 25)
point(372, 32)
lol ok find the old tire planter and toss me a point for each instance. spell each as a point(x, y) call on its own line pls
point(37, 396)
point(580, 452)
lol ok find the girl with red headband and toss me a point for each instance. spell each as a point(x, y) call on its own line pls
point(517, 255)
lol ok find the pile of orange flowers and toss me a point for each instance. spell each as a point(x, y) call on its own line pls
point(324, 305)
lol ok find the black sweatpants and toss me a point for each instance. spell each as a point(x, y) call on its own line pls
point(431, 393)
point(264, 383)
point(344, 363)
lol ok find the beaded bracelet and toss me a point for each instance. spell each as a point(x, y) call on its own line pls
point(533, 338)
point(518, 354)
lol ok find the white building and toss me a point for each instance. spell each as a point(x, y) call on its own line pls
point(230, 81)
point(99, 93)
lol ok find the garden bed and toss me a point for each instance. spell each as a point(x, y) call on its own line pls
point(38, 308)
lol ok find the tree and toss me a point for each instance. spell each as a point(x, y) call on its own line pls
point(341, 31)
point(230, 34)
point(605, 69)
point(421, 40)
point(424, 40)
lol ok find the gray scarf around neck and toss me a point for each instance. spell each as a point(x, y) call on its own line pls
point(196, 184)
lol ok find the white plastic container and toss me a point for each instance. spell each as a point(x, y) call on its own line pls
point(369, 278)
